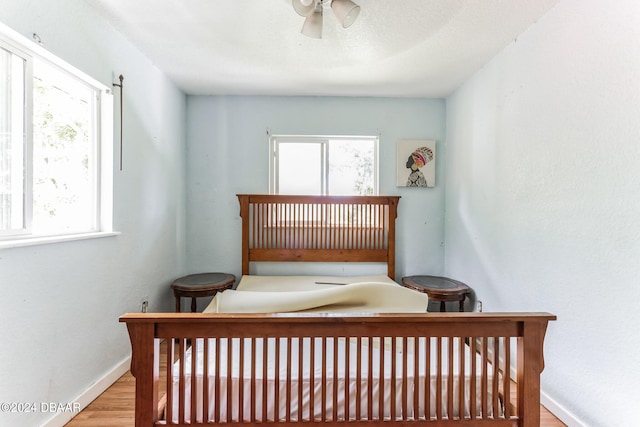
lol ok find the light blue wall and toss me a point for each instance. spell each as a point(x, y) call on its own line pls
point(61, 302)
point(543, 201)
point(228, 154)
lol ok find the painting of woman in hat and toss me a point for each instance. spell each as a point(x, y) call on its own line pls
point(416, 163)
point(417, 159)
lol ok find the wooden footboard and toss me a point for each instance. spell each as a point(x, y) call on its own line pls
point(440, 368)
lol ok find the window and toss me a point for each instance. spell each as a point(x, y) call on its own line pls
point(324, 165)
point(55, 145)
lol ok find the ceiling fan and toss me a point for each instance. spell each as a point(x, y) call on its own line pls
point(345, 10)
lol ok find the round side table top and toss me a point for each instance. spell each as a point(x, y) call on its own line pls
point(440, 288)
point(203, 282)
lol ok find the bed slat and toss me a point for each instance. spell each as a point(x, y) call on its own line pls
point(170, 370)
point(381, 358)
point(181, 382)
point(506, 375)
point(473, 377)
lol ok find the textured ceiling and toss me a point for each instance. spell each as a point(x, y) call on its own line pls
point(421, 48)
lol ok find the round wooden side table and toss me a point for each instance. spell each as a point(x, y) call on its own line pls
point(200, 285)
point(439, 288)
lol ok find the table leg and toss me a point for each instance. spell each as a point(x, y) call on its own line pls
point(193, 305)
point(443, 307)
point(177, 304)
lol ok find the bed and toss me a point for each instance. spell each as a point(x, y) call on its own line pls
point(363, 351)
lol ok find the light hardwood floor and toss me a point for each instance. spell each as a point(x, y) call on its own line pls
point(115, 407)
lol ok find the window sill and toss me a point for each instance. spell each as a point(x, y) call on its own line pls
point(31, 241)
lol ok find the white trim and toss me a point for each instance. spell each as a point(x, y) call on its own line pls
point(34, 49)
point(552, 406)
point(102, 164)
point(31, 241)
point(560, 411)
point(25, 134)
point(105, 165)
point(90, 394)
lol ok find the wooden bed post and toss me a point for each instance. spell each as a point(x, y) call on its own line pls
point(393, 214)
point(530, 366)
point(244, 214)
point(145, 368)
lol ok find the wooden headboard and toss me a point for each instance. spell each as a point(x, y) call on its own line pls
point(318, 229)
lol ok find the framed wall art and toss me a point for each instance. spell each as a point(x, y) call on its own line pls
point(416, 163)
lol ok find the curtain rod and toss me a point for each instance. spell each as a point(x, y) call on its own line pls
point(121, 88)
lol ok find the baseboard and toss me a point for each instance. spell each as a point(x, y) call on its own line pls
point(90, 394)
point(552, 406)
point(560, 411)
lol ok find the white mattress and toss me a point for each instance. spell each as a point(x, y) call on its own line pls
point(304, 283)
point(305, 380)
point(278, 294)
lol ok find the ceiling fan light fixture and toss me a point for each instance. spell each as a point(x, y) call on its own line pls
point(304, 7)
point(312, 26)
point(346, 11)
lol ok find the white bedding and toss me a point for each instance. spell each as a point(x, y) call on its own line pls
point(413, 381)
point(278, 294)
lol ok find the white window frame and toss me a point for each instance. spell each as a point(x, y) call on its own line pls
point(27, 140)
point(275, 140)
point(25, 48)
